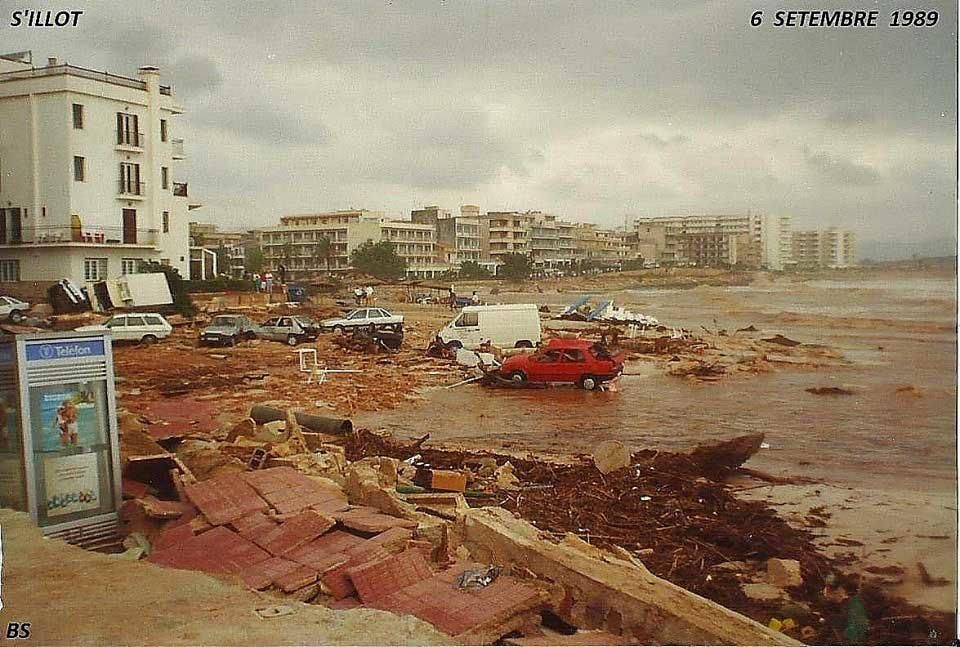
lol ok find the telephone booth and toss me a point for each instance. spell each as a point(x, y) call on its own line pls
point(59, 447)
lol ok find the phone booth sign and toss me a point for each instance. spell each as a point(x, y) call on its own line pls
point(65, 414)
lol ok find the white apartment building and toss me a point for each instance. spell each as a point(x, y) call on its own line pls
point(457, 236)
point(88, 173)
point(752, 240)
point(298, 242)
point(544, 245)
point(829, 248)
point(506, 232)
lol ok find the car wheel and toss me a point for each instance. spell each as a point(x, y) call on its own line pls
point(338, 330)
point(231, 341)
point(148, 340)
point(16, 316)
point(523, 343)
point(454, 345)
point(518, 377)
point(250, 335)
point(292, 340)
point(588, 382)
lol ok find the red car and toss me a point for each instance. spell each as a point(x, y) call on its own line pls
point(576, 361)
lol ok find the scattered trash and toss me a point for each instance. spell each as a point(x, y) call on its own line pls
point(275, 611)
point(478, 578)
point(829, 390)
point(782, 341)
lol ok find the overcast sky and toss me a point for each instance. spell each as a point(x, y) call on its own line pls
point(592, 111)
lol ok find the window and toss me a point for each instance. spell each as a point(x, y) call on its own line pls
point(130, 179)
point(116, 322)
point(164, 177)
point(128, 129)
point(166, 222)
point(9, 270)
point(153, 321)
point(135, 321)
point(359, 314)
point(77, 115)
point(468, 319)
point(94, 269)
point(78, 168)
point(129, 265)
point(163, 130)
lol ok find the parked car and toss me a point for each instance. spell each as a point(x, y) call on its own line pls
point(287, 329)
point(142, 327)
point(364, 317)
point(14, 309)
point(314, 327)
point(506, 326)
point(571, 361)
point(227, 330)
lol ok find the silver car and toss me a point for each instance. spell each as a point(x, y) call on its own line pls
point(287, 329)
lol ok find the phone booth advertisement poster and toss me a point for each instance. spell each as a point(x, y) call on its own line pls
point(72, 484)
point(68, 417)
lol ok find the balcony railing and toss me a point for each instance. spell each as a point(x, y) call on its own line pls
point(93, 235)
point(180, 189)
point(130, 188)
point(129, 138)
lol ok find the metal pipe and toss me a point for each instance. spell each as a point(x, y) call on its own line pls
point(262, 413)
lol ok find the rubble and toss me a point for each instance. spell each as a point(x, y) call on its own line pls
point(610, 456)
point(784, 572)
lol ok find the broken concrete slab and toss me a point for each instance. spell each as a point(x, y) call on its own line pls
point(784, 572)
point(219, 550)
point(611, 591)
point(375, 579)
point(610, 456)
point(477, 616)
point(295, 532)
point(370, 520)
point(224, 498)
point(762, 592)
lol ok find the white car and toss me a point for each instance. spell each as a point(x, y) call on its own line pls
point(13, 309)
point(362, 317)
point(146, 327)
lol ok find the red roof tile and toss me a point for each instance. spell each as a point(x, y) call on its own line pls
point(373, 580)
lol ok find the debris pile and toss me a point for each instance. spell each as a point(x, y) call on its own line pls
point(674, 513)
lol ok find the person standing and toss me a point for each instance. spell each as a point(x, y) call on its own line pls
point(269, 282)
point(475, 298)
point(453, 298)
point(367, 293)
point(282, 271)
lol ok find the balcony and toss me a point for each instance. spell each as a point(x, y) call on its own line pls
point(84, 235)
point(177, 147)
point(180, 189)
point(130, 190)
point(130, 140)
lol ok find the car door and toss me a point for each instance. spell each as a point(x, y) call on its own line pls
point(136, 328)
point(155, 326)
point(357, 318)
point(544, 366)
point(118, 327)
point(572, 365)
point(468, 329)
point(268, 329)
point(285, 327)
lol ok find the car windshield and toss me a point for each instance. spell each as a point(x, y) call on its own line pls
point(224, 321)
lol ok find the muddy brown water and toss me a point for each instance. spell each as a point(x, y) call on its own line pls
point(895, 332)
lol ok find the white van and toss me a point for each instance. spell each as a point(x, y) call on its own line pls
point(506, 326)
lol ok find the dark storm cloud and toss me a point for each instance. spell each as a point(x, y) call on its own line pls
point(582, 108)
point(837, 170)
